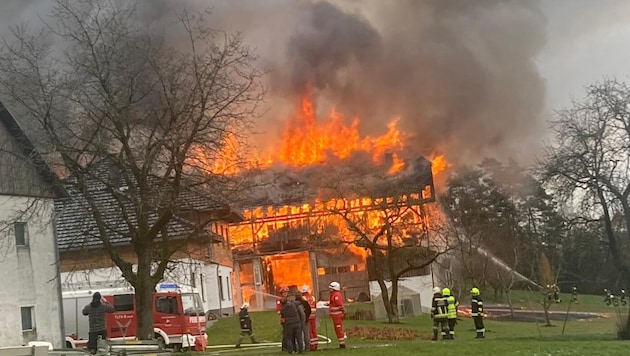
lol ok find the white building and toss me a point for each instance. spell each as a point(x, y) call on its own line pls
point(30, 296)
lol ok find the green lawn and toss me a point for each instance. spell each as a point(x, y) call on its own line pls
point(595, 336)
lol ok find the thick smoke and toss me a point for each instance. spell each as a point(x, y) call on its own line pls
point(460, 74)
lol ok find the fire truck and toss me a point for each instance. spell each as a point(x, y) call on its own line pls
point(178, 316)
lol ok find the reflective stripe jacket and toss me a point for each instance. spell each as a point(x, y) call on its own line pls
point(452, 306)
point(336, 303)
point(477, 306)
point(439, 307)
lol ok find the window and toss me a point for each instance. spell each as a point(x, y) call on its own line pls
point(27, 318)
point(193, 280)
point(19, 229)
point(123, 302)
point(221, 288)
point(166, 305)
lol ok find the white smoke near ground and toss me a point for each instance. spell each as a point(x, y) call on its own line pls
point(461, 75)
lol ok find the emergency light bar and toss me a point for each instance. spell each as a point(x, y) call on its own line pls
point(166, 287)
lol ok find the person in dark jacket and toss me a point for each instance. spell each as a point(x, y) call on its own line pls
point(96, 315)
point(246, 325)
point(306, 337)
point(291, 325)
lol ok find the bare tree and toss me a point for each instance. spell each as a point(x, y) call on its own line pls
point(588, 164)
point(95, 84)
point(391, 218)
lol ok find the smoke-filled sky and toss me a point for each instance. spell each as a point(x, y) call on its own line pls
point(467, 78)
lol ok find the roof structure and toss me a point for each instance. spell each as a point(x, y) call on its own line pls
point(77, 229)
point(29, 151)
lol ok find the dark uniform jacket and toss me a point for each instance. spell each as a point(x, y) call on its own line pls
point(439, 308)
point(477, 306)
point(245, 320)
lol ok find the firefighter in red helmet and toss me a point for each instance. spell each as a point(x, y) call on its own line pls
point(337, 312)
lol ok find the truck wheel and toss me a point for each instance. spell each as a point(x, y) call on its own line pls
point(161, 342)
point(68, 345)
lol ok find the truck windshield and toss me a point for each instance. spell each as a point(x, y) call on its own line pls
point(191, 302)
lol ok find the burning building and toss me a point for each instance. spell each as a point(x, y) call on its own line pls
point(305, 217)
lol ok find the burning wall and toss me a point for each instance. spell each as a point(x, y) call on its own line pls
point(299, 197)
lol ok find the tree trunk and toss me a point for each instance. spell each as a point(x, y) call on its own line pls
point(510, 304)
point(385, 295)
point(546, 306)
point(393, 301)
point(144, 289)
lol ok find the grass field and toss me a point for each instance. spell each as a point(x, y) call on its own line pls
point(594, 336)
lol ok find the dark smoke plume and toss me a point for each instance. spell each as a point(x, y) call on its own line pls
point(460, 74)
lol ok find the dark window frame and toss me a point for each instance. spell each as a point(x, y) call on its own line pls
point(26, 314)
point(20, 232)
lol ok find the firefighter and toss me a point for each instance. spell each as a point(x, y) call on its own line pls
point(311, 324)
point(556, 293)
point(451, 306)
point(337, 312)
point(246, 325)
point(439, 313)
point(623, 300)
point(574, 294)
point(477, 312)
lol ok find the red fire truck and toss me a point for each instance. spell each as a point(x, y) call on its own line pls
point(178, 316)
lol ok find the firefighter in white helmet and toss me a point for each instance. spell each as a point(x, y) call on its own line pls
point(439, 313)
point(246, 325)
point(337, 312)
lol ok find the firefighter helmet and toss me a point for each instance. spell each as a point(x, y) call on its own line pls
point(306, 289)
point(436, 290)
point(334, 286)
point(474, 291)
point(245, 305)
point(284, 290)
point(446, 292)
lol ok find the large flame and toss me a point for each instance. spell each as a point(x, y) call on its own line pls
point(308, 141)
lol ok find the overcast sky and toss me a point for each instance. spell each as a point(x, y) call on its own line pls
point(586, 40)
point(481, 77)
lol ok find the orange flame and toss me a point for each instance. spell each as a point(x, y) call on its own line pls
point(307, 141)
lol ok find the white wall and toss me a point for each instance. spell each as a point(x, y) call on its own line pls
point(212, 298)
point(422, 285)
point(29, 274)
